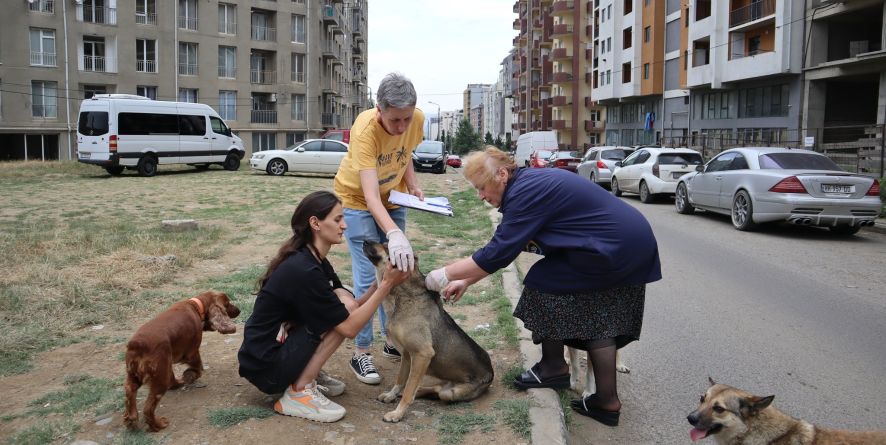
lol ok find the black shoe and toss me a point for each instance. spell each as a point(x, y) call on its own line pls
point(364, 369)
point(583, 407)
point(532, 379)
point(391, 353)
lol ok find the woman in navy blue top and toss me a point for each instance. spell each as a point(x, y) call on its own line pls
point(589, 289)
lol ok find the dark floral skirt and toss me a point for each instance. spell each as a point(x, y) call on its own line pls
point(580, 317)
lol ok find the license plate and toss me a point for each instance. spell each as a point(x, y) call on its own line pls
point(676, 175)
point(427, 165)
point(84, 155)
point(837, 188)
point(573, 164)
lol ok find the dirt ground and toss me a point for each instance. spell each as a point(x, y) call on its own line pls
point(221, 387)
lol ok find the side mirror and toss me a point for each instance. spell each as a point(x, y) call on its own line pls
point(619, 164)
point(300, 149)
point(699, 168)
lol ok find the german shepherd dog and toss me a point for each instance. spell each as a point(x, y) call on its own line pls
point(439, 358)
point(736, 417)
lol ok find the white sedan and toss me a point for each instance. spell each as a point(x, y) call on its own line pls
point(756, 185)
point(309, 156)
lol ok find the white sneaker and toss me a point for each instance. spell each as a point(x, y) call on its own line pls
point(329, 386)
point(310, 404)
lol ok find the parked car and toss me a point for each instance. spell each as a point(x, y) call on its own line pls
point(532, 141)
point(539, 158)
point(762, 184)
point(652, 171)
point(309, 156)
point(598, 163)
point(429, 156)
point(565, 159)
point(342, 135)
point(453, 161)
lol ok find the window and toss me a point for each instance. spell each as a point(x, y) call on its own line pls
point(227, 105)
point(93, 123)
point(293, 138)
point(187, 95)
point(227, 62)
point(715, 105)
point(627, 38)
point(647, 34)
point(147, 123)
point(146, 91)
point(298, 107)
point(227, 19)
point(754, 46)
point(94, 54)
point(626, 72)
point(608, 77)
point(609, 44)
point(218, 126)
point(95, 11)
point(47, 6)
point(298, 28)
point(92, 90)
point(262, 26)
point(189, 125)
point(145, 12)
point(146, 56)
point(187, 58)
point(43, 99)
point(42, 47)
point(628, 6)
point(264, 141)
point(702, 9)
point(298, 68)
point(763, 101)
point(187, 14)
point(645, 71)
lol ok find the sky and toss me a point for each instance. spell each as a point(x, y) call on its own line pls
point(441, 46)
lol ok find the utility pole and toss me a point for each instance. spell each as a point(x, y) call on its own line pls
point(438, 120)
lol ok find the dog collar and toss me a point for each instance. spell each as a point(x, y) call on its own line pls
point(199, 305)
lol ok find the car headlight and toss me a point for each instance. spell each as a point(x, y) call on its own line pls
point(258, 156)
point(438, 158)
point(414, 157)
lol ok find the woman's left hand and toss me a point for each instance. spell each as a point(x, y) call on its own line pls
point(417, 192)
point(454, 290)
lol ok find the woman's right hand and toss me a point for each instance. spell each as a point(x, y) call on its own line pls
point(454, 290)
point(394, 276)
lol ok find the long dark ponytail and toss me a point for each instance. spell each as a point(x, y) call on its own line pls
point(317, 204)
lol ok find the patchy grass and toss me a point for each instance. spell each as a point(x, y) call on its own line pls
point(44, 432)
point(82, 393)
point(515, 414)
point(135, 437)
point(507, 378)
point(453, 426)
point(227, 417)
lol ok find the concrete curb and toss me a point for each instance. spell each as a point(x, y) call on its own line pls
point(878, 227)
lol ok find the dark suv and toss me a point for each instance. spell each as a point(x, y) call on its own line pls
point(429, 156)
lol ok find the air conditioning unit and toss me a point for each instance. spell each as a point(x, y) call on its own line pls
point(273, 97)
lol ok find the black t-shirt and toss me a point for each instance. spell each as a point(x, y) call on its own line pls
point(299, 291)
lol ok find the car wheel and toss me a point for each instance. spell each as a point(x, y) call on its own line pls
point(276, 167)
point(682, 200)
point(232, 162)
point(147, 166)
point(614, 185)
point(845, 230)
point(115, 170)
point(645, 196)
point(742, 211)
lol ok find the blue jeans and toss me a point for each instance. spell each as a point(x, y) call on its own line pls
point(362, 227)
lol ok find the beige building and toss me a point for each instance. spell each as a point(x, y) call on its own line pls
point(276, 71)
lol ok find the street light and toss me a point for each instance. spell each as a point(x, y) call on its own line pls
point(438, 119)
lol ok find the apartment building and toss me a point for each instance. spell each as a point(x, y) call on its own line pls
point(844, 91)
point(473, 105)
point(277, 72)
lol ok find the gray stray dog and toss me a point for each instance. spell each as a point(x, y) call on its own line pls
point(439, 358)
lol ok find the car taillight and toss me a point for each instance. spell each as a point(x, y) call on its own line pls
point(601, 164)
point(874, 190)
point(112, 143)
point(655, 169)
point(561, 162)
point(788, 185)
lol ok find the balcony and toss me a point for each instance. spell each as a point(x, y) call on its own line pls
point(331, 51)
point(187, 22)
point(263, 77)
point(518, 125)
point(39, 58)
point(561, 101)
point(146, 66)
point(100, 15)
point(94, 64)
point(561, 30)
point(752, 12)
point(145, 18)
point(561, 124)
point(263, 117)
point(264, 34)
point(516, 24)
point(330, 120)
point(593, 126)
point(561, 77)
point(45, 6)
point(188, 69)
point(589, 53)
point(561, 54)
point(330, 15)
point(562, 7)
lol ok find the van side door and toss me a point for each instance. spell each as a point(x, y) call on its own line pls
point(220, 139)
point(194, 143)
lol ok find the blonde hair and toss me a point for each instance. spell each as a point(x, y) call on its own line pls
point(480, 166)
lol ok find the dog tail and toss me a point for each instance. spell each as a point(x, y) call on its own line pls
point(137, 362)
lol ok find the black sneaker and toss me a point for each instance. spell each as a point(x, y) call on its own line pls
point(391, 353)
point(364, 369)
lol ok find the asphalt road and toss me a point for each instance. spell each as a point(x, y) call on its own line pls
point(791, 311)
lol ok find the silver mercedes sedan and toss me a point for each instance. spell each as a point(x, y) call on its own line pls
point(756, 185)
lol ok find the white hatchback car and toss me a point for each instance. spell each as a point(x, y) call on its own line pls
point(652, 171)
point(309, 156)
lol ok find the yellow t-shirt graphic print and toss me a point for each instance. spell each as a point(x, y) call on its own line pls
point(371, 147)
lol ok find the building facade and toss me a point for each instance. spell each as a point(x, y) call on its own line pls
point(277, 72)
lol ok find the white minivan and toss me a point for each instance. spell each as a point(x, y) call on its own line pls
point(532, 141)
point(122, 131)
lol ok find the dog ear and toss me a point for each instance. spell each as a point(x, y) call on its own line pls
point(712, 381)
point(752, 405)
point(218, 320)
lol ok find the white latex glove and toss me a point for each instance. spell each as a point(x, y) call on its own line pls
point(436, 280)
point(400, 251)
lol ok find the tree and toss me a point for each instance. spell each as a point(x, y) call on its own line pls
point(443, 137)
point(498, 143)
point(466, 139)
point(507, 142)
point(488, 139)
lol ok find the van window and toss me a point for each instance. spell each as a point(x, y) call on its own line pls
point(147, 123)
point(334, 136)
point(219, 127)
point(93, 123)
point(192, 125)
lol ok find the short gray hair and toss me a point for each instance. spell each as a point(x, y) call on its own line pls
point(396, 91)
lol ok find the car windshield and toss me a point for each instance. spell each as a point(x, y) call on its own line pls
point(430, 148)
point(544, 154)
point(615, 155)
point(797, 161)
point(680, 158)
point(567, 154)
